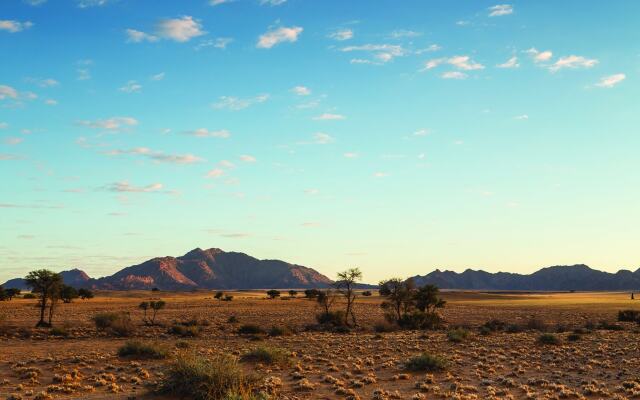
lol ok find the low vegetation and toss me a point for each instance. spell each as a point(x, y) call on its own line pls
point(114, 323)
point(457, 335)
point(267, 355)
point(549, 339)
point(425, 362)
point(198, 378)
point(411, 307)
point(142, 350)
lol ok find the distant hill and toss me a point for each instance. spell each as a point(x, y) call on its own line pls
point(200, 269)
point(556, 278)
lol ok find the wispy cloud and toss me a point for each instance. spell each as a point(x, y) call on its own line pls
point(247, 158)
point(301, 90)
point(126, 187)
point(279, 35)
point(341, 35)
point(539, 56)
point(157, 156)
point(14, 26)
point(44, 82)
point(135, 36)
point(114, 124)
point(206, 133)
point(131, 87)
point(463, 63)
point(93, 3)
point(329, 117)
point(573, 62)
point(611, 80)
point(235, 103)
point(180, 29)
point(382, 53)
point(322, 138)
point(510, 63)
point(404, 33)
point(454, 75)
point(272, 2)
point(217, 43)
point(500, 10)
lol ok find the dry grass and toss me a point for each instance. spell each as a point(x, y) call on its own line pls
point(594, 363)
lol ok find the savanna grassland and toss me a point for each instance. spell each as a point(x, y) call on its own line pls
point(492, 346)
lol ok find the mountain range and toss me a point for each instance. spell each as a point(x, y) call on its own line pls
point(199, 269)
point(557, 278)
point(217, 269)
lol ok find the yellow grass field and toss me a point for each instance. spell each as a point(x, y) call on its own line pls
point(602, 363)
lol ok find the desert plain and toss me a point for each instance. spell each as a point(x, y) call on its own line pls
point(592, 354)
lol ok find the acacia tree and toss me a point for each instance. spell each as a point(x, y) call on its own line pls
point(68, 293)
point(293, 293)
point(155, 306)
point(411, 307)
point(325, 299)
point(273, 293)
point(345, 285)
point(399, 296)
point(85, 294)
point(12, 292)
point(46, 285)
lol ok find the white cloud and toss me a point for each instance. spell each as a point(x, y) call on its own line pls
point(421, 132)
point(279, 35)
point(329, 117)
point(113, 124)
point(272, 2)
point(124, 186)
point(463, 63)
point(180, 29)
point(157, 156)
point(404, 33)
point(218, 43)
point(218, 2)
point(236, 103)
point(341, 34)
point(380, 174)
point(301, 90)
point(382, 52)
point(454, 75)
point(611, 80)
point(8, 92)
point(311, 192)
point(247, 158)
point(429, 49)
point(135, 36)
point(35, 2)
point(572, 62)
point(157, 77)
point(539, 56)
point(205, 133)
point(92, 3)
point(510, 63)
point(7, 157)
point(131, 87)
point(522, 117)
point(215, 173)
point(350, 155)
point(4, 125)
point(500, 10)
point(322, 138)
point(51, 102)
point(44, 83)
point(14, 26)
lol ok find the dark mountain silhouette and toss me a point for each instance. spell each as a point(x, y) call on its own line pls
point(200, 269)
point(557, 278)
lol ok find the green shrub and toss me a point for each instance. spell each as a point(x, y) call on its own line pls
point(384, 326)
point(138, 349)
point(536, 324)
point(184, 330)
point(117, 324)
point(608, 326)
point(420, 320)
point(250, 329)
point(334, 318)
point(457, 335)
point(548, 338)
point(574, 337)
point(425, 362)
point(182, 344)
point(267, 355)
point(59, 331)
point(279, 331)
point(233, 319)
point(29, 296)
point(495, 325)
point(197, 378)
point(628, 315)
point(513, 328)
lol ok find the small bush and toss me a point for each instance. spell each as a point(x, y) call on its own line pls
point(184, 330)
point(233, 319)
point(420, 320)
point(457, 335)
point(608, 326)
point(59, 331)
point(267, 355)
point(425, 362)
point(198, 378)
point(548, 338)
point(574, 337)
point(367, 293)
point(495, 325)
point(250, 329)
point(628, 315)
point(279, 331)
point(384, 326)
point(513, 328)
point(536, 324)
point(117, 324)
point(29, 296)
point(182, 344)
point(334, 318)
point(137, 349)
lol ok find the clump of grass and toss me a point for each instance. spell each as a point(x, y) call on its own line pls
point(250, 329)
point(628, 315)
point(494, 325)
point(138, 349)
point(117, 324)
point(384, 327)
point(425, 362)
point(198, 378)
point(536, 324)
point(574, 337)
point(457, 335)
point(59, 331)
point(184, 330)
point(548, 338)
point(183, 344)
point(268, 355)
point(279, 331)
point(233, 319)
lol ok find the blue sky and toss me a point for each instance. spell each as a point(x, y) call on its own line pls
point(397, 136)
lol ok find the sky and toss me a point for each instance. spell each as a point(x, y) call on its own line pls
point(395, 136)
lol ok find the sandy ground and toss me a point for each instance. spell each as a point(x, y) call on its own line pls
point(602, 364)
